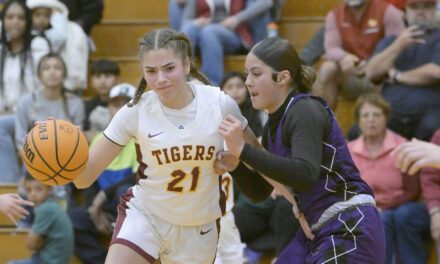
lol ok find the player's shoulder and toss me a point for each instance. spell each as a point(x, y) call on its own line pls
point(205, 90)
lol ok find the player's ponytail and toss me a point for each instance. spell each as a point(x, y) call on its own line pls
point(139, 91)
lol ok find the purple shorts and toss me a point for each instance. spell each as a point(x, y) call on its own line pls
point(354, 236)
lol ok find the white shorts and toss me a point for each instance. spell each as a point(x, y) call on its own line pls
point(154, 238)
point(230, 250)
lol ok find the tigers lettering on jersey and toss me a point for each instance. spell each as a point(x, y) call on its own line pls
point(185, 152)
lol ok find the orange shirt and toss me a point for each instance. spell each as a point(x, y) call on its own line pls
point(360, 37)
point(391, 188)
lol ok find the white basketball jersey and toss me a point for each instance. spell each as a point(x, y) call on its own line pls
point(228, 188)
point(178, 182)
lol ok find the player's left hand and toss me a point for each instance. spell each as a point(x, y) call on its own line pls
point(231, 130)
point(225, 161)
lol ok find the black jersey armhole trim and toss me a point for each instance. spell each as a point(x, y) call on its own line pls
point(112, 140)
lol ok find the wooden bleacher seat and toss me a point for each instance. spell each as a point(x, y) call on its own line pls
point(13, 244)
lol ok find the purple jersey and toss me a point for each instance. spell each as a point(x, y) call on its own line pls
point(339, 179)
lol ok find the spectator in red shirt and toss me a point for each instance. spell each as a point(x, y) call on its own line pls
point(352, 31)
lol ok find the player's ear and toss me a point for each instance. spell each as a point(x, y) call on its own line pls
point(283, 77)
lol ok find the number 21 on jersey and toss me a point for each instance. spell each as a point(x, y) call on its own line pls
point(179, 175)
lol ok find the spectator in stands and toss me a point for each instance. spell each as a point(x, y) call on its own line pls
point(51, 235)
point(52, 101)
point(104, 75)
point(395, 193)
point(220, 28)
point(409, 65)
point(431, 192)
point(233, 84)
point(175, 13)
point(102, 198)
point(50, 19)
point(352, 30)
point(11, 204)
point(19, 55)
point(85, 13)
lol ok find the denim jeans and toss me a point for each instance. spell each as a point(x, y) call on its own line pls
point(406, 230)
point(214, 42)
point(175, 13)
point(258, 25)
point(35, 259)
point(8, 155)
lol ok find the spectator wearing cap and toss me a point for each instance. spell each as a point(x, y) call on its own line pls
point(408, 65)
point(102, 198)
point(352, 30)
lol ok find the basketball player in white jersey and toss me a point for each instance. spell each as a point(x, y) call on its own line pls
point(230, 250)
point(173, 212)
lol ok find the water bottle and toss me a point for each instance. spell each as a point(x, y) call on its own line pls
point(272, 30)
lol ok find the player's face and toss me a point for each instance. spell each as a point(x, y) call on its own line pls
point(372, 120)
point(103, 83)
point(264, 92)
point(52, 73)
point(15, 21)
point(41, 18)
point(165, 73)
point(36, 191)
point(235, 88)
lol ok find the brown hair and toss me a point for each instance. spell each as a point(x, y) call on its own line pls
point(63, 89)
point(373, 99)
point(166, 38)
point(279, 54)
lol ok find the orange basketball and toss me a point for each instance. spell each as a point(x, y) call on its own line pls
point(55, 152)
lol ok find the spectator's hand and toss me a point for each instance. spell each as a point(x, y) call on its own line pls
point(230, 128)
point(99, 217)
point(230, 22)
point(224, 162)
point(410, 36)
point(202, 21)
point(11, 205)
point(416, 154)
point(349, 63)
point(435, 228)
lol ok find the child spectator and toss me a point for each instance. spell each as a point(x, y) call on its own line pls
point(233, 84)
point(50, 19)
point(102, 198)
point(19, 54)
point(51, 235)
point(104, 75)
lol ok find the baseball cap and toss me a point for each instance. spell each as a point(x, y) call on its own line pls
point(420, 1)
point(122, 90)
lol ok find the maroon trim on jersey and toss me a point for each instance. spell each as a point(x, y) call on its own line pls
point(140, 174)
point(222, 200)
point(217, 223)
point(122, 214)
